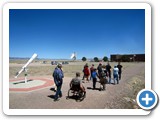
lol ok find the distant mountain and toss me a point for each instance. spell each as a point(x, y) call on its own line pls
point(24, 58)
point(18, 58)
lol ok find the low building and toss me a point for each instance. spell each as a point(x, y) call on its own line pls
point(128, 57)
point(54, 63)
point(44, 62)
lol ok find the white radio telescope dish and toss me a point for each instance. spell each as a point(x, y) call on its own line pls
point(73, 56)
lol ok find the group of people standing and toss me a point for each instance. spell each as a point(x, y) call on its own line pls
point(103, 72)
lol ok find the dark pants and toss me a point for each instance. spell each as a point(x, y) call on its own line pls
point(109, 78)
point(58, 92)
point(103, 87)
point(94, 82)
point(85, 76)
point(119, 75)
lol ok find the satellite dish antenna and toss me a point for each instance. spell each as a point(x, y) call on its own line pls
point(73, 56)
point(23, 69)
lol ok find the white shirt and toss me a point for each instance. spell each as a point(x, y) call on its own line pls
point(115, 71)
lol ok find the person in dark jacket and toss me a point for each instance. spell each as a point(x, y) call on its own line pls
point(99, 68)
point(119, 66)
point(108, 70)
point(58, 79)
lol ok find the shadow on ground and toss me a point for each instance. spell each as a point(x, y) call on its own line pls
point(53, 89)
point(21, 82)
point(51, 96)
point(90, 88)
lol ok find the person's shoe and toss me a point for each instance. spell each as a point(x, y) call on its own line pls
point(60, 96)
point(56, 99)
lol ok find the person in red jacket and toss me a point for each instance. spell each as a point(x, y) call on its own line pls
point(86, 72)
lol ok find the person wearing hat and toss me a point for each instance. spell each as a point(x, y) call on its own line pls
point(58, 80)
point(115, 74)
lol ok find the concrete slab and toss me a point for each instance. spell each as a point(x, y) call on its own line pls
point(30, 85)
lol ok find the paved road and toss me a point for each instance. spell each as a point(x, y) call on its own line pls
point(95, 99)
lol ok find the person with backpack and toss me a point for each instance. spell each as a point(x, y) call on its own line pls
point(58, 80)
point(103, 79)
point(99, 68)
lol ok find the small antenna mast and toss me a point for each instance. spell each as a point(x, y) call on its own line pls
point(24, 68)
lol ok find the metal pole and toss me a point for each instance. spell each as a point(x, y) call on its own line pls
point(25, 75)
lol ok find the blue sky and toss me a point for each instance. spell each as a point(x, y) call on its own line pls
point(90, 33)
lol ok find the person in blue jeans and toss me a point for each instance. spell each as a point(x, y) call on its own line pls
point(94, 77)
point(115, 74)
point(58, 79)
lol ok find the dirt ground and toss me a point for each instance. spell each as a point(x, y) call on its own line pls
point(119, 96)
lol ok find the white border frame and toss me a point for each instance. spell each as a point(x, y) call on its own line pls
point(8, 6)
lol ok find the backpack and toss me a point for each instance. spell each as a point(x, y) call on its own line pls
point(103, 74)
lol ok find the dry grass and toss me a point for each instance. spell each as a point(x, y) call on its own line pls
point(38, 69)
point(135, 84)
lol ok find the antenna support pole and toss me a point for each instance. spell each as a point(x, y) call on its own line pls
point(25, 75)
